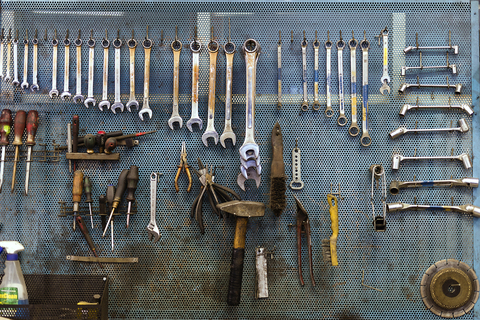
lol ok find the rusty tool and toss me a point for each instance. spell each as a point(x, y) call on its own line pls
point(303, 226)
point(19, 128)
point(32, 125)
point(278, 185)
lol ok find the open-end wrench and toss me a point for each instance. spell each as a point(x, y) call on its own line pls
point(462, 128)
point(328, 48)
point(105, 102)
point(177, 49)
point(117, 104)
point(279, 72)
point(54, 91)
point(464, 158)
point(458, 87)
point(15, 81)
point(365, 140)
point(447, 65)
point(354, 130)
point(316, 47)
point(228, 133)
point(152, 229)
point(34, 85)
point(385, 77)
point(90, 101)
point(1, 54)
point(210, 131)
point(465, 107)
point(304, 106)
point(78, 98)
point(342, 120)
point(195, 47)
point(25, 84)
point(8, 76)
point(132, 102)
point(147, 46)
point(251, 174)
point(66, 77)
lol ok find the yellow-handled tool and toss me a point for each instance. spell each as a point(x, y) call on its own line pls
point(329, 246)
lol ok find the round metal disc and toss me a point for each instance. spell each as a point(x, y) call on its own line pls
point(449, 288)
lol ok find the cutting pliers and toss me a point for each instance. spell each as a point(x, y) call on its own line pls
point(183, 166)
point(303, 226)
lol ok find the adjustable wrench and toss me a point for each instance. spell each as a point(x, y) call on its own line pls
point(34, 85)
point(78, 98)
point(177, 49)
point(54, 91)
point(1, 54)
point(328, 48)
point(228, 133)
point(117, 104)
point(66, 94)
point(15, 81)
point(105, 102)
point(464, 158)
point(354, 130)
point(304, 73)
point(462, 128)
point(316, 46)
point(147, 46)
point(365, 140)
point(25, 62)
point(195, 47)
point(132, 45)
point(279, 72)
point(152, 229)
point(90, 101)
point(9, 56)
point(385, 77)
point(342, 120)
point(210, 131)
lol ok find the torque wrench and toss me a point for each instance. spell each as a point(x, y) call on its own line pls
point(296, 183)
point(132, 102)
point(90, 101)
point(147, 47)
point(15, 81)
point(462, 128)
point(354, 130)
point(54, 91)
point(66, 76)
point(210, 131)
point(279, 71)
point(464, 158)
point(195, 47)
point(117, 104)
point(316, 46)
point(342, 120)
point(304, 73)
point(365, 140)
point(105, 46)
point(177, 49)
point(328, 48)
point(78, 98)
point(229, 49)
point(385, 77)
point(25, 84)
point(34, 85)
point(417, 47)
point(463, 107)
point(458, 87)
point(452, 67)
point(395, 185)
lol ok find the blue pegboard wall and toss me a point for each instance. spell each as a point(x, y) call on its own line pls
point(185, 274)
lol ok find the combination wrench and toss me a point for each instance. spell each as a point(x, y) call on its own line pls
point(147, 46)
point(354, 130)
point(304, 106)
point(229, 49)
point(66, 77)
point(464, 158)
point(34, 85)
point(9, 56)
point(210, 131)
point(365, 140)
point(316, 47)
point(177, 49)
point(132, 45)
point(195, 47)
point(15, 81)
point(78, 98)
point(342, 120)
point(1, 53)
point(385, 77)
point(117, 104)
point(90, 101)
point(54, 91)
point(462, 128)
point(105, 46)
point(25, 84)
point(279, 71)
point(328, 48)
point(152, 229)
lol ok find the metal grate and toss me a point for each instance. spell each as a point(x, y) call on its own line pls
point(185, 275)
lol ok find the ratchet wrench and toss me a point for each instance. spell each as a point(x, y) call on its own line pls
point(66, 94)
point(54, 91)
point(147, 46)
point(117, 104)
point(195, 47)
point(132, 102)
point(210, 131)
point(385, 77)
point(316, 103)
point(354, 130)
point(328, 48)
point(342, 120)
point(34, 85)
point(78, 98)
point(1, 54)
point(228, 133)
point(152, 229)
point(365, 140)
point(15, 81)
point(105, 102)
point(25, 62)
point(9, 55)
point(90, 101)
point(304, 73)
point(177, 49)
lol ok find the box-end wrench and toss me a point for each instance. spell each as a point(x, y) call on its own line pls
point(385, 77)
point(117, 104)
point(105, 102)
point(342, 120)
point(210, 131)
point(132, 102)
point(90, 101)
point(279, 71)
point(147, 47)
point(1, 53)
point(15, 81)
point(229, 49)
point(316, 47)
point(66, 76)
point(328, 48)
point(35, 85)
point(177, 49)
point(78, 98)
point(396, 185)
point(458, 87)
point(354, 130)
point(195, 47)
point(365, 140)
point(462, 128)
point(464, 158)
point(25, 84)
point(8, 76)
point(304, 44)
point(464, 107)
point(152, 229)
point(54, 91)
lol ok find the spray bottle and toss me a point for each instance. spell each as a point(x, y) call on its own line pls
point(12, 289)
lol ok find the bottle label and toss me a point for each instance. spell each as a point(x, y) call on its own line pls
point(9, 295)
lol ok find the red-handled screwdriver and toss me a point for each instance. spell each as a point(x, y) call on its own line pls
point(83, 228)
point(5, 127)
point(32, 125)
point(19, 128)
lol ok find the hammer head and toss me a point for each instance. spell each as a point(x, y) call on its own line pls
point(246, 209)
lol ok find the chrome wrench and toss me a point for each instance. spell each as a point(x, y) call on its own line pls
point(279, 72)
point(210, 131)
point(396, 185)
point(458, 87)
point(1, 54)
point(15, 81)
point(385, 77)
point(90, 101)
point(78, 98)
point(117, 104)
point(354, 130)
point(132, 102)
point(54, 91)
point(464, 107)
point(105, 102)
point(147, 47)
point(34, 85)
point(228, 133)
point(304, 106)
point(462, 128)
point(25, 62)
point(66, 76)
point(9, 55)
point(152, 229)
point(316, 47)
point(177, 49)
point(195, 47)
point(447, 65)
point(464, 158)
point(328, 48)
point(365, 140)
point(342, 120)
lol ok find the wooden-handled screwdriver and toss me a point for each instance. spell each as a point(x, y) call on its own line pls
point(32, 125)
point(19, 128)
point(5, 127)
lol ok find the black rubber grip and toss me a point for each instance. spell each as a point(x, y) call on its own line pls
point(236, 272)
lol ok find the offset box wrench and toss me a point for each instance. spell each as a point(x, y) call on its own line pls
point(365, 140)
point(1, 53)
point(304, 73)
point(458, 87)
point(385, 77)
point(395, 185)
point(66, 76)
point(453, 67)
point(117, 104)
point(228, 133)
point(464, 158)
point(132, 102)
point(147, 47)
point(78, 98)
point(90, 101)
point(417, 47)
point(25, 84)
point(462, 128)
point(195, 47)
point(342, 120)
point(15, 81)
point(463, 107)
point(35, 85)
point(9, 56)
point(279, 70)
point(316, 46)
point(354, 130)
point(152, 229)
point(54, 91)
point(177, 49)
point(328, 48)
point(210, 131)
point(400, 206)
point(105, 46)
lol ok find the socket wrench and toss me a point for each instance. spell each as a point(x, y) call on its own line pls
point(464, 158)
point(462, 128)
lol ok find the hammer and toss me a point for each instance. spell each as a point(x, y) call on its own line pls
point(242, 210)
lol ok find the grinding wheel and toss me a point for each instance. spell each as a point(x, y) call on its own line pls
point(449, 288)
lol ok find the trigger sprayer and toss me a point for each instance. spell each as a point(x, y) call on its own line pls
point(12, 288)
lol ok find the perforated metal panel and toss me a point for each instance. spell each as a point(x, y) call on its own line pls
point(185, 274)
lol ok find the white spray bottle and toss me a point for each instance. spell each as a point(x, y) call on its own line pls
point(13, 289)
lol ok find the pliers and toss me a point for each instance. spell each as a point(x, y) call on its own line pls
point(303, 226)
point(183, 166)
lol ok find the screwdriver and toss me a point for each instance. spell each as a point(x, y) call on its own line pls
point(132, 181)
point(77, 193)
point(5, 127)
point(75, 128)
point(32, 125)
point(102, 208)
point(19, 128)
point(87, 185)
point(110, 200)
point(121, 185)
point(83, 228)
